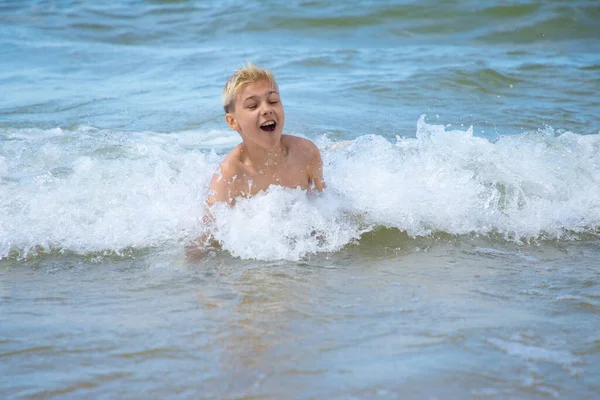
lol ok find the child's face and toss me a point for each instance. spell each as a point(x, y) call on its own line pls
point(258, 114)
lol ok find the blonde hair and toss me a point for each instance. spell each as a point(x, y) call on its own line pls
point(240, 78)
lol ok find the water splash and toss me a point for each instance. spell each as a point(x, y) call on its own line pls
point(87, 190)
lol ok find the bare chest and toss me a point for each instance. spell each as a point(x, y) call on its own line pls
point(252, 182)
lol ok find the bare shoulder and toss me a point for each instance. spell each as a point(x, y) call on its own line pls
point(231, 164)
point(296, 144)
point(223, 182)
point(306, 153)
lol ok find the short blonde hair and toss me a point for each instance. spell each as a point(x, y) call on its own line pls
point(240, 78)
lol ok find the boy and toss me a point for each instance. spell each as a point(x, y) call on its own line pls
point(265, 157)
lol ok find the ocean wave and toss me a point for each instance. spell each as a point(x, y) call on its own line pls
point(166, 22)
point(88, 190)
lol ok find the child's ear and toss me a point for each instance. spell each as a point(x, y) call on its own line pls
point(232, 122)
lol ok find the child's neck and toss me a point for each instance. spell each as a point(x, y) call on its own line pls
point(266, 159)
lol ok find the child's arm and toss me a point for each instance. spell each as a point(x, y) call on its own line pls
point(221, 190)
point(196, 249)
point(315, 169)
point(221, 185)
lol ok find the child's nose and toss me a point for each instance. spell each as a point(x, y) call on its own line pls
point(266, 108)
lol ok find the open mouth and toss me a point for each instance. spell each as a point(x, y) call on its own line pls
point(268, 126)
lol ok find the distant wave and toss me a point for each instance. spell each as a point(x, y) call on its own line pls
point(127, 24)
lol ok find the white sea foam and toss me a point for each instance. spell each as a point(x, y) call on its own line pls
point(89, 190)
point(284, 223)
point(535, 353)
point(448, 180)
point(98, 191)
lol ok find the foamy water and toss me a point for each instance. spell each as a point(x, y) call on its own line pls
point(89, 190)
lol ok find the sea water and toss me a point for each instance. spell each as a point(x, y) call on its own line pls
point(454, 254)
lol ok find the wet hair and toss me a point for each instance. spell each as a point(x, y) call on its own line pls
point(243, 76)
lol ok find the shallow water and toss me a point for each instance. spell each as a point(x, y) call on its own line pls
point(454, 254)
point(448, 320)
